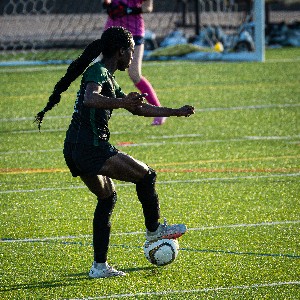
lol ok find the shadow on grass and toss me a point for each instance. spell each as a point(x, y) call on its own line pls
point(45, 284)
point(69, 280)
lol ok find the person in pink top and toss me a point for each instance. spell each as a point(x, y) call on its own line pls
point(128, 14)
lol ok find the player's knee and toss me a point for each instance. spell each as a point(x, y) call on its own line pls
point(101, 186)
point(106, 206)
point(148, 180)
point(150, 176)
point(105, 189)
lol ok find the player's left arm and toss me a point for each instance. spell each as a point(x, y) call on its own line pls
point(148, 110)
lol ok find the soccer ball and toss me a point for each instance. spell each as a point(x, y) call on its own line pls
point(161, 252)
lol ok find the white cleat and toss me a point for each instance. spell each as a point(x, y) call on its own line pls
point(165, 231)
point(97, 272)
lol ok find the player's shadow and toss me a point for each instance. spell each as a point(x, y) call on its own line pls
point(69, 280)
point(45, 284)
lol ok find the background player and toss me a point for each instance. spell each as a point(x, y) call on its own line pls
point(128, 13)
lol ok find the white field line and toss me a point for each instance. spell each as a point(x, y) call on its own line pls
point(209, 109)
point(242, 139)
point(55, 130)
point(44, 68)
point(70, 237)
point(31, 118)
point(54, 117)
point(163, 142)
point(195, 291)
point(30, 151)
point(198, 180)
point(248, 107)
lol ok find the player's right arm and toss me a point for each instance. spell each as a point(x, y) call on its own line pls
point(148, 110)
point(94, 99)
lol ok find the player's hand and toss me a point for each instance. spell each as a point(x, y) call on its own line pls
point(133, 99)
point(186, 111)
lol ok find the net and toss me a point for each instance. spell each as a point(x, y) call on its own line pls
point(50, 31)
point(44, 31)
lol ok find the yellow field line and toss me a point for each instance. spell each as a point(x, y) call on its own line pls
point(32, 170)
point(57, 170)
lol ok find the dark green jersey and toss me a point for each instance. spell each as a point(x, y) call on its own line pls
point(89, 126)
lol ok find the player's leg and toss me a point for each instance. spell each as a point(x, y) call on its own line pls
point(101, 186)
point(135, 68)
point(124, 167)
point(104, 189)
point(135, 73)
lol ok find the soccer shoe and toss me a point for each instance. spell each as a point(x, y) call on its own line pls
point(159, 120)
point(109, 271)
point(165, 231)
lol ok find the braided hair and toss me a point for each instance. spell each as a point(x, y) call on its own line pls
point(112, 40)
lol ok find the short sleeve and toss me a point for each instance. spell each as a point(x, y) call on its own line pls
point(96, 73)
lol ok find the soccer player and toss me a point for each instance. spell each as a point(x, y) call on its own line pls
point(129, 14)
point(87, 150)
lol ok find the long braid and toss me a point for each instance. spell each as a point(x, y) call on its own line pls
point(112, 39)
point(75, 69)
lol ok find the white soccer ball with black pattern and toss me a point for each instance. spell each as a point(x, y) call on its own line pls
point(161, 252)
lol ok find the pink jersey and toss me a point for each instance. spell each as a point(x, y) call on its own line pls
point(133, 23)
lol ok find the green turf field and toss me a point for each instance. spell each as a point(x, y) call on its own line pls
point(230, 172)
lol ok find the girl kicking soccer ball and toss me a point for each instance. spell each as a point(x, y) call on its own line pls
point(87, 150)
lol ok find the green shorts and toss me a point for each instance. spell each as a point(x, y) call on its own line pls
point(87, 159)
